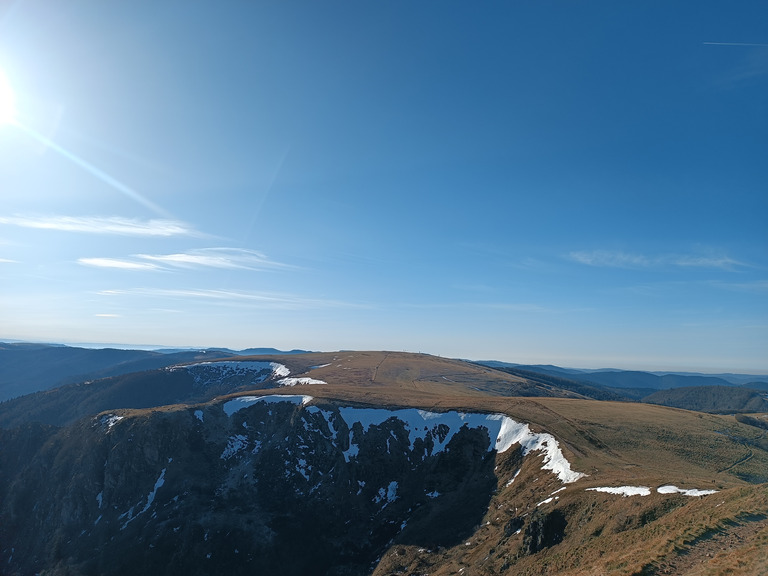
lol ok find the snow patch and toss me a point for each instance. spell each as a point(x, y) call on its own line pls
point(690, 492)
point(511, 480)
point(199, 415)
point(150, 498)
point(327, 415)
point(507, 433)
point(392, 491)
point(645, 491)
point(241, 402)
point(389, 494)
point(299, 381)
point(110, 420)
point(624, 490)
point(512, 432)
point(205, 372)
point(235, 444)
point(353, 449)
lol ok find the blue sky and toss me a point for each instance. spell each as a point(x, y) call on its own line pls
point(582, 184)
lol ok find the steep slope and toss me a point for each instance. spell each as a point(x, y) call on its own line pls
point(380, 463)
point(297, 485)
point(262, 485)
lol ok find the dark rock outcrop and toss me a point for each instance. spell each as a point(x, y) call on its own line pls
point(544, 530)
point(269, 487)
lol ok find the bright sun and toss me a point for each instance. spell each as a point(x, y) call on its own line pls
point(7, 101)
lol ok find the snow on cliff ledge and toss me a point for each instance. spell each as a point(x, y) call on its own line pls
point(207, 372)
point(503, 430)
point(512, 432)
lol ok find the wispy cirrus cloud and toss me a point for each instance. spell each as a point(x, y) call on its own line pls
point(228, 258)
point(267, 300)
point(222, 258)
point(707, 262)
point(752, 44)
point(756, 287)
point(500, 306)
point(620, 259)
point(102, 225)
point(608, 258)
point(117, 263)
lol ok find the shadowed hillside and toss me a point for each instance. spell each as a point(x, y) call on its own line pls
point(715, 399)
point(27, 368)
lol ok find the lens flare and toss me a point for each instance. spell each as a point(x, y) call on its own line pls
point(7, 101)
point(8, 116)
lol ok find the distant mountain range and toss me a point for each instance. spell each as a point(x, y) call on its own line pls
point(616, 378)
point(27, 367)
point(722, 393)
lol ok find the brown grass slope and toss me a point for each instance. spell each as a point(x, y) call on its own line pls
point(413, 375)
point(351, 374)
point(615, 443)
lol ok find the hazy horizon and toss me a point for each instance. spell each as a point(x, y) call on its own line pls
point(581, 185)
point(577, 363)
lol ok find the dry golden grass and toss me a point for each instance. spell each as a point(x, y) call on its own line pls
point(615, 443)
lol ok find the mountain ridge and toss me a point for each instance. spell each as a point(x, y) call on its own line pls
point(369, 462)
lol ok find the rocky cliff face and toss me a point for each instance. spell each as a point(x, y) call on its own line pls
point(276, 484)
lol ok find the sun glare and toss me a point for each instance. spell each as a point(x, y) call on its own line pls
point(7, 101)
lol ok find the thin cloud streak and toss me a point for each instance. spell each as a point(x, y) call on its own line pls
point(618, 259)
point(708, 262)
point(227, 258)
point(501, 306)
point(221, 258)
point(609, 259)
point(116, 263)
point(102, 225)
point(241, 298)
point(757, 44)
point(756, 287)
